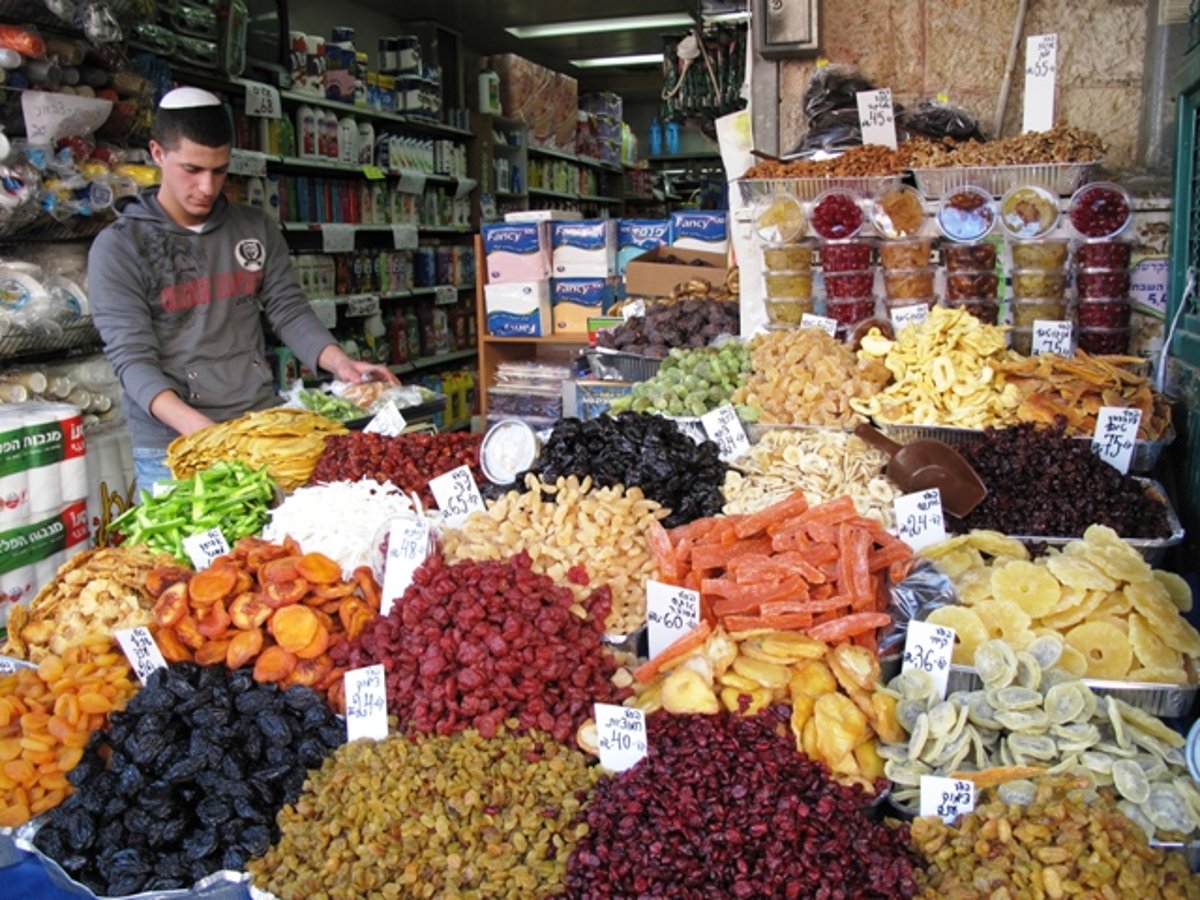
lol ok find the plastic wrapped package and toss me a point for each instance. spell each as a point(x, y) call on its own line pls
point(925, 589)
point(937, 119)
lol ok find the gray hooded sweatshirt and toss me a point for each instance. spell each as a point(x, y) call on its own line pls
point(180, 310)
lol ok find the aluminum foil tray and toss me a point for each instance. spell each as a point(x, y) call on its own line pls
point(755, 189)
point(1059, 178)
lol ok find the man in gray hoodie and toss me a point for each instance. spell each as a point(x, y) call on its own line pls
point(177, 287)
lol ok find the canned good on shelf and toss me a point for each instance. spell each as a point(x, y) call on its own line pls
point(837, 214)
point(985, 309)
point(1031, 283)
point(1108, 312)
point(1028, 211)
point(849, 284)
point(1043, 253)
point(898, 212)
point(903, 284)
point(788, 284)
point(966, 214)
point(970, 257)
point(1104, 254)
point(1105, 340)
point(787, 310)
point(1103, 282)
point(1025, 312)
point(850, 310)
point(905, 253)
point(793, 257)
point(846, 256)
point(1100, 210)
point(966, 284)
point(780, 218)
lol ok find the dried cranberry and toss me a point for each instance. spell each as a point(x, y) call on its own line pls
point(1104, 254)
point(849, 284)
point(1104, 340)
point(846, 256)
point(1104, 313)
point(1103, 282)
point(850, 311)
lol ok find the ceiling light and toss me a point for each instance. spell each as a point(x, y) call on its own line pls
point(634, 59)
point(596, 26)
point(742, 16)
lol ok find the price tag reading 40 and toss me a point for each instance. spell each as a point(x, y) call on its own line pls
point(408, 545)
point(262, 100)
point(919, 519)
point(456, 493)
point(724, 428)
point(947, 798)
point(671, 612)
point(141, 651)
point(366, 703)
point(621, 736)
point(928, 647)
point(1115, 435)
point(203, 548)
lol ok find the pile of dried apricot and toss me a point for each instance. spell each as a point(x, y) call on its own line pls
point(270, 605)
point(46, 717)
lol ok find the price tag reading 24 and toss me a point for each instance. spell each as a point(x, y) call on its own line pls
point(1115, 435)
point(671, 612)
point(456, 493)
point(928, 647)
point(946, 798)
point(621, 736)
point(366, 703)
point(919, 519)
point(724, 428)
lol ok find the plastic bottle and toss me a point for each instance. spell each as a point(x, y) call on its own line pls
point(307, 133)
point(398, 339)
point(489, 90)
point(656, 138)
point(673, 138)
point(329, 135)
point(413, 329)
point(287, 137)
point(256, 193)
point(366, 143)
point(347, 140)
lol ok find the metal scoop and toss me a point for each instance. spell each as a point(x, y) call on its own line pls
point(927, 464)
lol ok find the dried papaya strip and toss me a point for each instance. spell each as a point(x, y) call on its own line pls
point(799, 563)
point(848, 626)
point(785, 622)
point(888, 554)
point(822, 591)
point(683, 554)
point(681, 647)
point(872, 526)
point(663, 553)
point(898, 571)
point(692, 531)
point(854, 578)
point(821, 532)
point(812, 607)
point(794, 505)
point(718, 557)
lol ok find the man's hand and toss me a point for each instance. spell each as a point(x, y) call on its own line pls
point(333, 359)
point(169, 409)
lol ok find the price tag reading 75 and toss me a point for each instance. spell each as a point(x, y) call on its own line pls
point(1115, 435)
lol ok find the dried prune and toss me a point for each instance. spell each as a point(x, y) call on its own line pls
point(138, 820)
point(80, 829)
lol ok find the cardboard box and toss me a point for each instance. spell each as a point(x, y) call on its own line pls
point(516, 252)
point(648, 276)
point(520, 309)
point(700, 229)
point(575, 300)
point(636, 236)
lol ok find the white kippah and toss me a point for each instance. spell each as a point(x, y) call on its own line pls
point(188, 98)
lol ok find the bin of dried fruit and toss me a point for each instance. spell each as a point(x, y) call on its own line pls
point(267, 605)
point(187, 781)
point(472, 644)
point(96, 591)
point(708, 376)
point(409, 461)
point(1032, 718)
point(908, 253)
point(944, 372)
point(806, 377)
point(438, 816)
point(286, 441)
point(1055, 836)
point(687, 323)
point(822, 464)
point(606, 531)
point(745, 816)
point(47, 715)
point(1121, 619)
point(1062, 143)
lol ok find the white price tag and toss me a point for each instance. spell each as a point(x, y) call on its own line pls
point(1052, 336)
point(445, 295)
point(464, 186)
point(10, 664)
point(903, 316)
point(1115, 434)
point(203, 548)
point(724, 428)
point(877, 117)
point(262, 100)
point(671, 613)
point(946, 798)
point(826, 324)
point(141, 651)
point(336, 238)
point(919, 519)
point(247, 162)
point(366, 305)
point(366, 703)
point(50, 116)
point(411, 182)
point(408, 546)
point(621, 734)
point(456, 493)
point(388, 421)
point(1041, 66)
point(928, 647)
point(404, 237)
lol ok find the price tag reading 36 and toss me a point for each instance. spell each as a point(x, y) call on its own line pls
point(947, 798)
point(671, 612)
point(724, 428)
point(928, 647)
point(621, 735)
point(366, 703)
point(1115, 435)
point(919, 519)
point(141, 651)
point(456, 493)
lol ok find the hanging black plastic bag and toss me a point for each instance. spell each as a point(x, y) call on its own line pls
point(937, 119)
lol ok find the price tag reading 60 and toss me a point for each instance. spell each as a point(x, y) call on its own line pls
point(671, 612)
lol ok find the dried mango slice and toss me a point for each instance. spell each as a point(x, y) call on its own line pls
point(1028, 586)
point(685, 691)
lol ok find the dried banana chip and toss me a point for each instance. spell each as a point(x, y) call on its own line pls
point(1068, 763)
point(1076, 732)
point(942, 717)
point(981, 713)
point(914, 684)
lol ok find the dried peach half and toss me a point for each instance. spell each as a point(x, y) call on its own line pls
point(318, 568)
point(274, 664)
point(172, 604)
point(249, 610)
point(244, 646)
point(294, 628)
point(213, 584)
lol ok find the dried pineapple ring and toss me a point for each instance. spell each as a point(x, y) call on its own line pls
point(1007, 622)
point(1073, 662)
point(1028, 585)
point(1178, 589)
point(1105, 649)
point(968, 630)
point(996, 663)
point(958, 562)
point(995, 543)
point(1075, 570)
point(975, 587)
point(1150, 649)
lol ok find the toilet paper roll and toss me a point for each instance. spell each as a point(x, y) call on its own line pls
point(16, 587)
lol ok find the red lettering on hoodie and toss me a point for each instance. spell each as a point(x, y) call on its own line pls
point(202, 291)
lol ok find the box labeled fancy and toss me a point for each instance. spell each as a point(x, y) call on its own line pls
point(636, 236)
point(518, 309)
point(700, 229)
point(584, 249)
point(575, 300)
point(517, 252)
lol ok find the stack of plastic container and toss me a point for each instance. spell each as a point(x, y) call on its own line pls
point(780, 224)
point(1099, 213)
point(899, 217)
point(846, 258)
point(966, 216)
point(1040, 264)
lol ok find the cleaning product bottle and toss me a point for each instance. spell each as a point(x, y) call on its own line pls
point(656, 138)
point(287, 137)
point(256, 192)
point(673, 138)
point(307, 133)
point(347, 140)
point(366, 143)
point(489, 90)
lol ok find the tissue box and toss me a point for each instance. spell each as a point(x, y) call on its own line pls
point(518, 309)
point(544, 215)
point(541, 98)
point(584, 249)
point(696, 229)
point(578, 299)
point(517, 252)
point(636, 236)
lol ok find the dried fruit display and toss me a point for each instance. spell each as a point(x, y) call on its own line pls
point(409, 461)
point(1042, 483)
point(267, 605)
point(1062, 143)
point(96, 591)
point(688, 323)
point(745, 817)
point(472, 644)
point(708, 377)
point(1121, 619)
point(47, 715)
point(443, 816)
point(187, 780)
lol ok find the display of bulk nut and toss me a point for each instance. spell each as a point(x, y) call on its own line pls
point(788, 284)
point(1044, 253)
point(1029, 283)
point(849, 310)
point(787, 310)
point(846, 256)
point(849, 284)
point(966, 214)
point(432, 816)
point(1025, 311)
point(1104, 254)
point(1103, 282)
point(909, 253)
point(1105, 341)
point(908, 284)
point(969, 257)
point(986, 310)
point(1092, 313)
point(961, 284)
point(898, 212)
point(793, 257)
